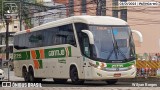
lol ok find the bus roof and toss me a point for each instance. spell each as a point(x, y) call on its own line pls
point(97, 20)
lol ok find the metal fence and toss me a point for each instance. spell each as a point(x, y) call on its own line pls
point(148, 65)
point(149, 56)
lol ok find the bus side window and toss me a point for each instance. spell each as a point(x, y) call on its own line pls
point(71, 40)
point(67, 35)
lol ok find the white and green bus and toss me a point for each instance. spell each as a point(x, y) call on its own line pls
point(78, 48)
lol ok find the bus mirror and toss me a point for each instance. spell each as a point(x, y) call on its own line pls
point(90, 35)
point(139, 34)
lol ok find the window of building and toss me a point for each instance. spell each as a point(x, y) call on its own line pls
point(15, 26)
point(71, 7)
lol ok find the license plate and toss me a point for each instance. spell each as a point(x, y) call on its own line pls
point(117, 75)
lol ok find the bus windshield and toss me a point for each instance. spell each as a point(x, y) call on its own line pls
point(112, 43)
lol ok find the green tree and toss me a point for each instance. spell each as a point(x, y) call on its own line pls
point(1, 8)
point(26, 12)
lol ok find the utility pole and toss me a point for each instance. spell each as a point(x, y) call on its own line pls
point(20, 15)
point(7, 18)
point(7, 34)
point(7, 46)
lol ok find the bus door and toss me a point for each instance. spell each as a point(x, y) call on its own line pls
point(87, 53)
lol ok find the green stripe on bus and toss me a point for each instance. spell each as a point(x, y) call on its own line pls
point(37, 54)
point(97, 63)
point(40, 64)
point(69, 51)
point(49, 53)
point(111, 65)
point(25, 55)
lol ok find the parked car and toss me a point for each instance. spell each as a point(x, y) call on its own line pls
point(1, 75)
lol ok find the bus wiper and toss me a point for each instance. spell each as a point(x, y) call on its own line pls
point(110, 54)
point(117, 49)
point(114, 49)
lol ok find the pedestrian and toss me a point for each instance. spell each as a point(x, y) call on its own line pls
point(143, 72)
point(154, 58)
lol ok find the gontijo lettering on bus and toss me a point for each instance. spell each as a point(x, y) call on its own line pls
point(44, 54)
point(58, 52)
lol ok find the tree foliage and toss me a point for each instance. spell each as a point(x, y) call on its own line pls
point(26, 12)
point(1, 7)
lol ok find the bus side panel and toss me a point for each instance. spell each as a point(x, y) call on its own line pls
point(59, 67)
point(75, 59)
point(62, 65)
point(48, 69)
point(53, 67)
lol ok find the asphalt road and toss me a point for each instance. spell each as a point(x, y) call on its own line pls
point(104, 84)
point(120, 83)
point(99, 84)
point(139, 82)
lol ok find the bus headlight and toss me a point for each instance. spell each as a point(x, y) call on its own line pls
point(132, 66)
point(96, 66)
point(99, 67)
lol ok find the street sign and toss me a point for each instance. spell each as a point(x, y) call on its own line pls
point(10, 9)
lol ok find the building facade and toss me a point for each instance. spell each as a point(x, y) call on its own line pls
point(49, 15)
point(142, 18)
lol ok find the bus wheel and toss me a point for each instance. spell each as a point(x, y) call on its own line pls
point(32, 78)
point(59, 81)
point(112, 81)
point(74, 76)
point(31, 75)
point(25, 75)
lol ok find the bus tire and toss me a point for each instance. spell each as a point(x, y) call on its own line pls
point(74, 76)
point(59, 81)
point(112, 81)
point(25, 74)
point(31, 76)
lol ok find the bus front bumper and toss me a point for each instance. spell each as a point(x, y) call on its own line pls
point(102, 74)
